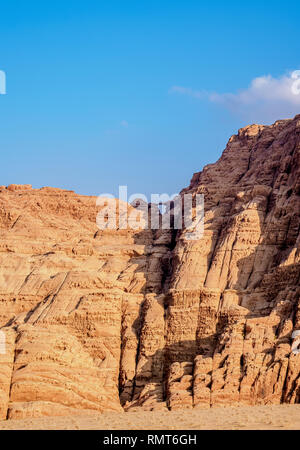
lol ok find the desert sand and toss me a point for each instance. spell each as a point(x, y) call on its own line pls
point(273, 417)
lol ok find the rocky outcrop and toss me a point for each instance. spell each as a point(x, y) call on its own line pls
point(97, 320)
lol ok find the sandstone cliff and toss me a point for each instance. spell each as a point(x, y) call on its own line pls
point(100, 320)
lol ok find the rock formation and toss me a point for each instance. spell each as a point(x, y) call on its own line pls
point(119, 319)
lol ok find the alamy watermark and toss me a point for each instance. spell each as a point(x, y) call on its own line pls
point(2, 343)
point(296, 342)
point(296, 83)
point(164, 212)
point(2, 82)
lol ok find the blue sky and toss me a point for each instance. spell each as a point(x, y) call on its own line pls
point(107, 93)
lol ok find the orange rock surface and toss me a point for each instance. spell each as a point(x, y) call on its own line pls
point(127, 319)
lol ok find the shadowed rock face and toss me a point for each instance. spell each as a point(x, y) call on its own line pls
point(96, 320)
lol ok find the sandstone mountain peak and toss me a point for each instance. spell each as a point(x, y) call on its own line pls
point(97, 320)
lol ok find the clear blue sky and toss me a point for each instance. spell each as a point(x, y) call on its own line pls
point(90, 105)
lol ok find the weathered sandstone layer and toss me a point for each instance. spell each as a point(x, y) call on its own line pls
point(105, 320)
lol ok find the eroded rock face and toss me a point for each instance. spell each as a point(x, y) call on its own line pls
point(100, 320)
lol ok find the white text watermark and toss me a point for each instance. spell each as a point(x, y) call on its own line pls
point(162, 212)
point(296, 82)
point(2, 343)
point(2, 82)
point(296, 342)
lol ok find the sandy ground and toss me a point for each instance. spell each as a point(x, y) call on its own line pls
point(282, 417)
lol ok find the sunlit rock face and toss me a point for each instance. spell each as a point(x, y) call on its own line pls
point(126, 319)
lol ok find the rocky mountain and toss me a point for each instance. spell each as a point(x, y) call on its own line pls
point(100, 320)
